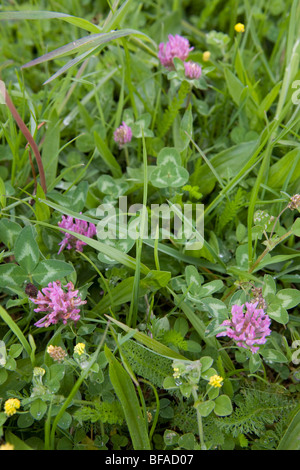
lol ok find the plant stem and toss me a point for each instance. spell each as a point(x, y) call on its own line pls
point(199, 420)
point(25, 131)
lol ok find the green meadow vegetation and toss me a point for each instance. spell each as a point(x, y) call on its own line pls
point(182, 340)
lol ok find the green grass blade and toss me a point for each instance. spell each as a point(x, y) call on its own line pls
point(126, 393)
point(150, 343)
point(107, 156)
point(92, 40)
point(16, 330)
point(46, 15)
point(291, 438)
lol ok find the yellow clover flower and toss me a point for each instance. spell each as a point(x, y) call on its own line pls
point(79, 348)
point(216, 381)
point(206, 56)
point(11, 406)
point(6, 446)
point(240, 28)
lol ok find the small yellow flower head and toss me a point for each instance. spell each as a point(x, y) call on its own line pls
point(206, 56)
point(79, 348)
point(7, 446)
point(38, 372)
point(240, 28)
point(149, 416)
point(11, 406)
point(216, 381)
point(56, 352)
point(176, 373)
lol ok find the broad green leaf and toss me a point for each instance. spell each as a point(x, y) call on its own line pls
point(156, 279)
point(206, 362)
point(212, 392)
point(185, 130)
point(254, 363)
point(208, 373)
point(216, 308)
point(169, 383)
point(268, 260)
point(193, 279)
point(273, 355)
point(15, 350)
point(42, 211)
point(12, 275)
point(9, 232)
point(269, 286)
point(112, 186)
point(38, 409)
point(223, 406)
point(65, 420)
point(187, 441)
point(278, 313)
point(280, 170)
point(170, 437)
point(296, 227)
point(205, 408)
point(26, 249)
point(16, 441)
point(210, 288)
point(126, 393)
point(169, 155)
point(289, 298)
point(169, 175)
point(50, 270)
point(234, 85)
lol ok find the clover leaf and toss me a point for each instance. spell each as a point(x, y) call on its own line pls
point(169, 172)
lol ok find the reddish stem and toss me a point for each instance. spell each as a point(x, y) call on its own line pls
point(23, 128)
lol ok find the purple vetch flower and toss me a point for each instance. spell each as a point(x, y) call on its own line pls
point(247, 329)
point(177, 46)
point(79, 226)
point(123, 134)
point(59, 305)
point(192, 70)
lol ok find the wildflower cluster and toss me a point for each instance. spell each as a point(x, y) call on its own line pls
point(179, 47)
point(247, 329)
point(216, 381)
point(79, 349)
point(11, 406)
point(79, 226)
point(123, 135)
point(59, 305)
point(57, 353)
point(294, 202)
